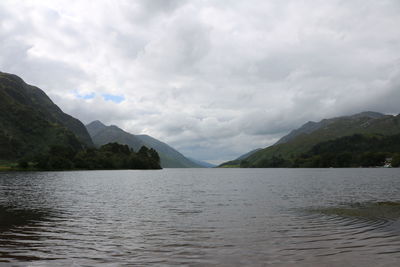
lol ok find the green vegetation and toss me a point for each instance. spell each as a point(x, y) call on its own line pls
point(236, 162)
point(36, 135)
point(30, 122)
point(297, 148)
point(349, 151)
point(108, 157)
point(225, 165)
point(396, 160)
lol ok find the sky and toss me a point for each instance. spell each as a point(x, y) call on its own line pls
point(213, 79)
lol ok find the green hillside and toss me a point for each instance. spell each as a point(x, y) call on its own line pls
point(367, 123)
point(30, 122)
point(236, 162)
point(35, 134)
point(353, 151)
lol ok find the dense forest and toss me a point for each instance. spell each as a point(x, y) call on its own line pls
point(109, 156)
point(350, 151)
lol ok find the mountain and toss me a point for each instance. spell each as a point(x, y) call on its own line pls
point(170, 158)
point(248, 154)
point(203, 163)
point(30, 122)
point(102, 134)
point(236, 162)
point(311, 126)
point(302, 140)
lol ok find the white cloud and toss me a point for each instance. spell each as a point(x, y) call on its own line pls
point(212, 78)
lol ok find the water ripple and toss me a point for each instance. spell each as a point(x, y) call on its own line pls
point(200, 217)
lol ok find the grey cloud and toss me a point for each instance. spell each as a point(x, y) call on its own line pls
point(161, 5)
point(214, 79)
point(183, 43)
point(147, 12)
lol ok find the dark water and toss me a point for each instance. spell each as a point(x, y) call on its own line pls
point(198, 217)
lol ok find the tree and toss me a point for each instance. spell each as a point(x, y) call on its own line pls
point(23, 164)
point(372, 159)
point(109, 156)
point(244, 164)
point(396, 160)
point(143, 151)
point(154, 155)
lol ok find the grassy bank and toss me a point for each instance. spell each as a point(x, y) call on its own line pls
point(7, 165)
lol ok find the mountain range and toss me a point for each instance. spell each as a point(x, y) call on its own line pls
point(31, 124)
point(302, 140)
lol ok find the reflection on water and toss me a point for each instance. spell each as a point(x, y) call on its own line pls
point(383, 210)
point(15, 230)
point(201, 217)
point(11, 217)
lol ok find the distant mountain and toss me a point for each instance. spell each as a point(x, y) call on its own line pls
point(30, 122)
point(102, 134)
point(302, 140)
point(170, 158)
point(203, 163)
point(95, 127)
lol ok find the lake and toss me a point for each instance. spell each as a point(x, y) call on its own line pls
point(198, 217)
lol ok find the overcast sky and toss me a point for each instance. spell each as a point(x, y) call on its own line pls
point(214, 79)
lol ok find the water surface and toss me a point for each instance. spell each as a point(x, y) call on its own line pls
point(199, 217)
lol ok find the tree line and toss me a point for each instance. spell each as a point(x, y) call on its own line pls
point(350, 151)
point(107, 157)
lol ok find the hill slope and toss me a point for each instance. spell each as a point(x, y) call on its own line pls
point(30, 122)
point(236, 162)
point(310, 134)
point(170, 158)
point(353, 151)
point(311, 126)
